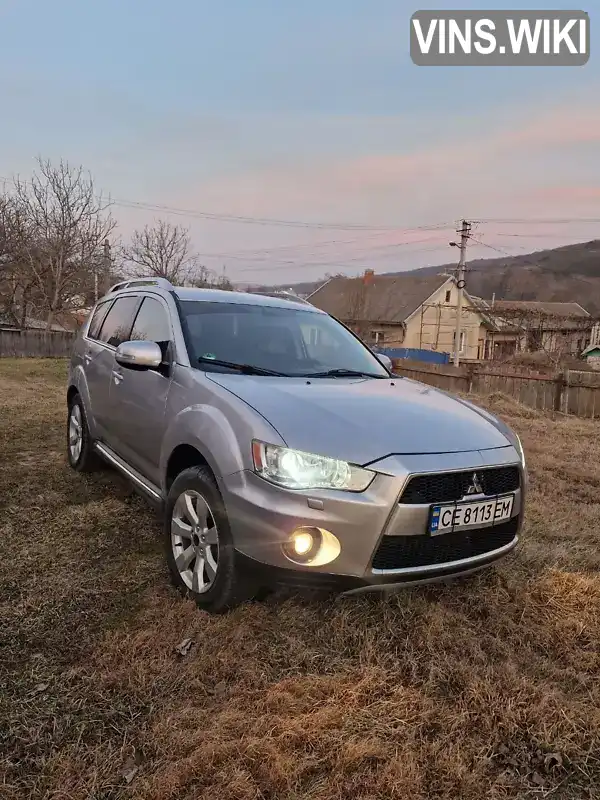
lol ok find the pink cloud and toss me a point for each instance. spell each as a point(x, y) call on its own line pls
point(562, 126)
point(568, 194)
point(324, 186)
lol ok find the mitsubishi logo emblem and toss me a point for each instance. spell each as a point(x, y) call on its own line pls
point(475, 486)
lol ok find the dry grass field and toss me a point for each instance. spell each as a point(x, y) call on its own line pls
point(489, 688)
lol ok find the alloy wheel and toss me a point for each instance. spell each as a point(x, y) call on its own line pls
point(75, 432)
point(195, 541)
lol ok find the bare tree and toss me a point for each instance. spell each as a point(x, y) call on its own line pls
point(161, 250)
point(6, 230)
point(355, 291)
point(224, 283)
point(7, 256)
point(556, 336)
point(205, 278)
point(17, 282)
point(62, 224)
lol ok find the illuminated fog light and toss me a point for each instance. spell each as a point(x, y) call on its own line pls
point(312, 547)
point(302, 542)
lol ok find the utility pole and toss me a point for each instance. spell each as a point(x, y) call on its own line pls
point(107, 263)
point(465, 232)
point(103, 284)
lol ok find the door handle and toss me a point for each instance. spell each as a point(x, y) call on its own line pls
point(117, 376)
point(87, 358)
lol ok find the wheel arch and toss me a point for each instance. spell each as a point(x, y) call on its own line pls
point(183, 457)
point(72, 391)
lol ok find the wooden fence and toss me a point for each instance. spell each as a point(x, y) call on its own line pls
point(35, 344)
point(571, 392)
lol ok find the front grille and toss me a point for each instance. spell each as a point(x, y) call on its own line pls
point(446, 487)
point(400, 552)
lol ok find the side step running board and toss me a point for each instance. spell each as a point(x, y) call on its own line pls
point(133, 475)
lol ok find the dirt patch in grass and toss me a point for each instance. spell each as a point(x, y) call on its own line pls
point(489, 688)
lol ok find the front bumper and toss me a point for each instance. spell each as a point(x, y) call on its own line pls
point(383, 542)
point(350, 585)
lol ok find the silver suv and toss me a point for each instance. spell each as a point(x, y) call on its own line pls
point(280, 449)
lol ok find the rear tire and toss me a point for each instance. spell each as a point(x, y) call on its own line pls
point(199, 546)
point(80, 446)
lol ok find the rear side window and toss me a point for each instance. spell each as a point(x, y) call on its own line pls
point(117, 323)
point(97, 320)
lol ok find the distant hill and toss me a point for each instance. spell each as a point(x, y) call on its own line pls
point(570, 273)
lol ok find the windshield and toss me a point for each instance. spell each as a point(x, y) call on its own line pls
point(284, 340)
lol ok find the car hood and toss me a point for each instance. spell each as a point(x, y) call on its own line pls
point(361, 420)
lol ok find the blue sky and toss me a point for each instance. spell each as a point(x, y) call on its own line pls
point(307, 111)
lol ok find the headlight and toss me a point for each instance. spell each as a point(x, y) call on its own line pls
point(294, 469)
point(519, 449)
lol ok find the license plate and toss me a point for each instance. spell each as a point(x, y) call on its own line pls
point(461, 516)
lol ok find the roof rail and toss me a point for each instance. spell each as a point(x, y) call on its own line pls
point(163, 283)
point(293, 298)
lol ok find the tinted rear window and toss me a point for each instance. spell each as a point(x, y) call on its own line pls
point(98, 319)
point(117, 324)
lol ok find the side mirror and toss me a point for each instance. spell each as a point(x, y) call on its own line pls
point(386, 361)
point(139, 355)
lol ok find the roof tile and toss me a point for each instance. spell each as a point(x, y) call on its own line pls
point(382, 299)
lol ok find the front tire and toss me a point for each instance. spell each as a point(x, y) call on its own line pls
point(80, 446)
point(198, 544)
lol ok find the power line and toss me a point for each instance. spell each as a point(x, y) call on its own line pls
point(377, 251)
point(338, 263)
point(235, 218)
point(218, 217)
point(543, 221)
point(524, 261)
point(258, 255)
point(502, 251)
point(246, 220)
point(249, 254)
point(298, 246)
point(491, 247)
point(533, 235)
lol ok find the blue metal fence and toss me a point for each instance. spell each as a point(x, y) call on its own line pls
point(430, 356)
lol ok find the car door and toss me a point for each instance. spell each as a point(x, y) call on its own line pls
point(96, 372)
point(138, 399)
point(99, 355)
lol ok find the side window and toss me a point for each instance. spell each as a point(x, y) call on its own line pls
point(152, 324)
point(117, 323)
point(97, 320)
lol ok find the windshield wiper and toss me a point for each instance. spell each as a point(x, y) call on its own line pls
point(343, 373)
point(245, 369)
